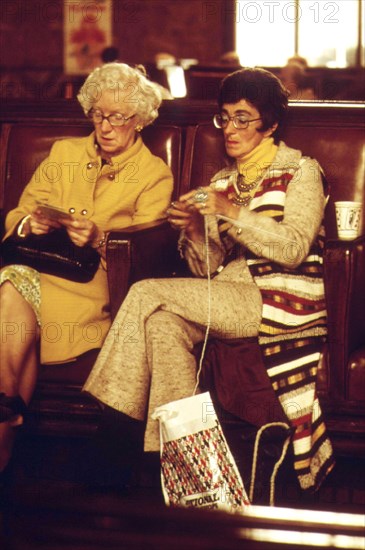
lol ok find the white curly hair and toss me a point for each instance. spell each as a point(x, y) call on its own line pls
point(130, 85)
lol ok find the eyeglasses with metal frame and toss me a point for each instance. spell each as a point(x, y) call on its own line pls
point(240, 122)
point(115, 119)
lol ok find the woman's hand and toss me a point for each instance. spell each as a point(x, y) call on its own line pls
point(183, 216)
point(39, 224)
point(82, 232)
point(210, 202)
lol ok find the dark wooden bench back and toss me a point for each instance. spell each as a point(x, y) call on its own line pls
point(27, 145)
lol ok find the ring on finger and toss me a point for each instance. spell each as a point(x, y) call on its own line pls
point(200, 196)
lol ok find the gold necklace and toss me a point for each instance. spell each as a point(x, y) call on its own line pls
point(243, 191)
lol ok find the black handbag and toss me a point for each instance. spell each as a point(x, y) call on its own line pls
point(53, 253)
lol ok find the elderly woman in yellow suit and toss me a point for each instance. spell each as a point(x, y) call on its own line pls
point(107, 180)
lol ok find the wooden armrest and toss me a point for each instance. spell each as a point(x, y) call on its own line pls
point(344, 276)
point(132, 229)
point(338, 243)
point(141, 252)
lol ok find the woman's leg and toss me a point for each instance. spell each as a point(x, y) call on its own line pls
point(141, 354)
point(170, 343)
point(18, 358)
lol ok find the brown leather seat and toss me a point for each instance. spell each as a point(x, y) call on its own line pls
point(340, 153)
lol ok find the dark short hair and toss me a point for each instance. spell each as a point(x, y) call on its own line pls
point(263, 90)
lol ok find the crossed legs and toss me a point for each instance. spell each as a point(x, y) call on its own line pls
point(147, 358)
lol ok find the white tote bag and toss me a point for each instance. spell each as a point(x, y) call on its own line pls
point(197, 466)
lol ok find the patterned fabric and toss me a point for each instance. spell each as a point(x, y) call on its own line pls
point(292, 334)
point(292, 368)
point(198, 472)
point(27, 281)
point(293, 299)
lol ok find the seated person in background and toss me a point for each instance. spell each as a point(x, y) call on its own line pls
point(294, 78)
point(109, 180)
point(261, 219)
point(230, 59)
point(300, 60)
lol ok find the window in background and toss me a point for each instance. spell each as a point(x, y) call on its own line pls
point(326, 33)
point(265, 32)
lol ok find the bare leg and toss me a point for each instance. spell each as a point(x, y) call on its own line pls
point(18, 358)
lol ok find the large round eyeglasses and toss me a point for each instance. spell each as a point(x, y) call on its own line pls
point(240, 122)
point(115, 119)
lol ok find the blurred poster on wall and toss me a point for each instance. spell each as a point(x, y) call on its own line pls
point(87, 31)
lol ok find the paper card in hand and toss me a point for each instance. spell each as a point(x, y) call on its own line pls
point(53, 212)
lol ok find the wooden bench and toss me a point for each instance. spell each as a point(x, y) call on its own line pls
point(185, 138)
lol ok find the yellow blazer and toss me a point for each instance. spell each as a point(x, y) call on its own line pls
point(135, 187)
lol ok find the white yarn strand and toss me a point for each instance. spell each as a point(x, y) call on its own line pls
point(209, 305)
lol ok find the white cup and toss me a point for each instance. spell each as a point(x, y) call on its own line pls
point(348, 218)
